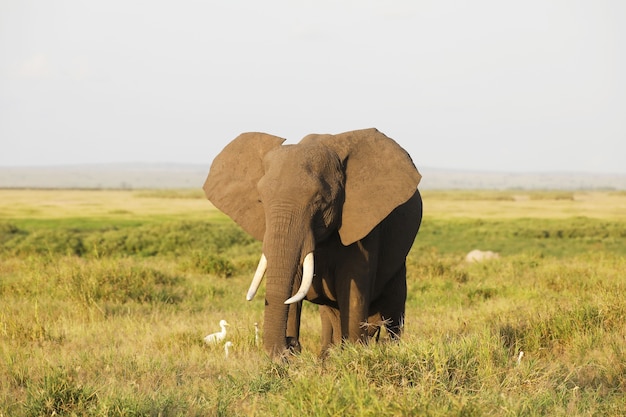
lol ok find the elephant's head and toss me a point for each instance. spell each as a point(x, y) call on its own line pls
point(294, 196)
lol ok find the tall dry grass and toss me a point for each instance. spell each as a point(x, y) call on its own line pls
point(116, 328)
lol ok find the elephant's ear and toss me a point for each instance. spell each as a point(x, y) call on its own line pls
point(231, 183)
point(380, 176)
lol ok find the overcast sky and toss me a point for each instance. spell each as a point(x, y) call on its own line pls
point(495, 85)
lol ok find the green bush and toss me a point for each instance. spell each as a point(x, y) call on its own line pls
point(212, 264)
point(45, 241)
point(8, 231)
point(166, 239)
point(173, 238)
point(181, 238)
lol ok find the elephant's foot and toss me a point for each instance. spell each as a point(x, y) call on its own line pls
point(372, 329)
point(283, 354)
point(293, 345)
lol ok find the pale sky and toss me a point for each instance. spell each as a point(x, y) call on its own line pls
point(493, 85)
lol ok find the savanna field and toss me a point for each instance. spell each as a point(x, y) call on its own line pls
point(105, 297)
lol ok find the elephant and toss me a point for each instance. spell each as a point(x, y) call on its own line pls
point(337, 216)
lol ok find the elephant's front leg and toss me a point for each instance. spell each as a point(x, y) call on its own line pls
point(354, 281)
point(331, 330)
point(293, 327)
point(327, 328)
point(353, 300)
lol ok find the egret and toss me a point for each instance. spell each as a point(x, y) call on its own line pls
point(213, 338)
point(256, 334)
point(226, 346)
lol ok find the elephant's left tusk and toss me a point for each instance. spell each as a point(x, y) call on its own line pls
point(258, 276)
point(307, 279)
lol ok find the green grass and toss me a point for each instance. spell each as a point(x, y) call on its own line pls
point(547, 237)
point(105, 314)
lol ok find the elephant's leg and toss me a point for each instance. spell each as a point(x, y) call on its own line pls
point(293, 327)
point(331, 329)
point(353, 300)
point(353, 284)
point(327, 329)
point(392, 303)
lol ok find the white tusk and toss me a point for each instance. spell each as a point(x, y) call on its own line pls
point(307, 279)
point(258, 276)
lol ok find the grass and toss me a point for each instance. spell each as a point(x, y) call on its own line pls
point(102, 312)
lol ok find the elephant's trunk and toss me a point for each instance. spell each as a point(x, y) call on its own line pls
point(278, 289)
point(285, 247)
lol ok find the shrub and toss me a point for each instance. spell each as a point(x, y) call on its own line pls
point(8, 231)
point(173, 238)
point(47, 241)
point(212, 264)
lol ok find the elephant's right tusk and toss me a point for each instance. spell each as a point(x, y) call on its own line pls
point(307, 279)
point(258, 277)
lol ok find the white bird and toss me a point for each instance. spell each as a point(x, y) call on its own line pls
point(520, 356)
point(226, 346)
point(256, 334)
point(213, 338)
